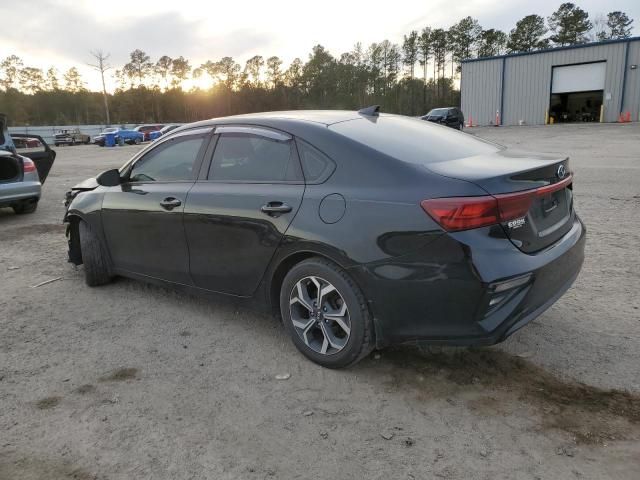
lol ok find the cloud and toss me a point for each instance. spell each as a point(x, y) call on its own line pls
point(48, 29)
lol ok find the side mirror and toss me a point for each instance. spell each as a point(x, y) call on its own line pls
point(109, 178)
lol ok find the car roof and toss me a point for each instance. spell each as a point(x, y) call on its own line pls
point(323, 117)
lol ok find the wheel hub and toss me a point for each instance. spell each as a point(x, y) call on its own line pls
point(319, 315)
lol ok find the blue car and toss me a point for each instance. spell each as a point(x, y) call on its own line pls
point(164, 130)
point(129, 136)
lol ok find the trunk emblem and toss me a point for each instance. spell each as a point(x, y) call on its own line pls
point(517, 223)
point(562, 171)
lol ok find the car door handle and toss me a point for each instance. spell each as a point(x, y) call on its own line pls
point(170, 203)
point(275, 208)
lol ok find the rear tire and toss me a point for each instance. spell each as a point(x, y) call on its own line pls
point(28, 206)
point(137, 141)
point(339, 339)
point(97, 265)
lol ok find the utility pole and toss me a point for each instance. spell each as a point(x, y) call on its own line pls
point(102, 66)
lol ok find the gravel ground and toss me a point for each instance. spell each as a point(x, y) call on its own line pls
point(131, 381)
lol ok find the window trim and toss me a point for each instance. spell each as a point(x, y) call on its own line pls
point(259, 131)
point(205, 132)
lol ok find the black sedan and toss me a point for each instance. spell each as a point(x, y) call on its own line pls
point(359, 229)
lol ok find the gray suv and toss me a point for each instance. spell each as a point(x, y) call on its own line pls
point(22, 170)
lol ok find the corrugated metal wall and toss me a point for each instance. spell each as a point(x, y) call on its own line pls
point(527, 83)
point(632, 84)
point(480, 90)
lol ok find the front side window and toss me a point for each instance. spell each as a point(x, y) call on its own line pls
point(245, 157)
point(173, 160)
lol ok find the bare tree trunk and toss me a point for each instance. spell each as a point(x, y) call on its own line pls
point(102, 66)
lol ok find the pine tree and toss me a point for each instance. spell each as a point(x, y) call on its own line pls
point(618, 26)
point(570, 25)
point(492, 43)
point(528, 35)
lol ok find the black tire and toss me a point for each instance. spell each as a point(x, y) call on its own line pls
point(97, 265)
point(28, 206)
point(360, 341)
point(137, 141)
point(461, 126)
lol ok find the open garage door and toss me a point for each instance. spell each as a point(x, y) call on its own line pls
point(577, 92)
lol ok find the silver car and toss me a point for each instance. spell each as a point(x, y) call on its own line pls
point(23, 170)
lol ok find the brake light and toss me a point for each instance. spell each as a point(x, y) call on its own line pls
point(464, 213)
point(28, 165)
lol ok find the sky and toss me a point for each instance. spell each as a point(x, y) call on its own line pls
point(61, 33)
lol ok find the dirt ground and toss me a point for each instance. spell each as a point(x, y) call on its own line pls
point(131, 381)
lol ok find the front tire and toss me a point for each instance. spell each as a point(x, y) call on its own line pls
point(97, 265)
point(326, 314)
point(137, 141)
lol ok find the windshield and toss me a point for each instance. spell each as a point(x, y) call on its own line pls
point(438, 112)
point(110, 130)
point(413, 140)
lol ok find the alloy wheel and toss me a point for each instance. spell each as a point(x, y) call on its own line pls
point(319, 315)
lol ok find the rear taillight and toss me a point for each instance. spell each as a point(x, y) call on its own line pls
point(28, 165)
point(464, 213)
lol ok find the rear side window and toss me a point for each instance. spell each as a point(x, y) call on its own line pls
point(172, 160)
point(243, 157)
point(317, 167)
point(413, 140)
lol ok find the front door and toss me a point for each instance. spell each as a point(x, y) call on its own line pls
point(143, 217)
point(236, 217)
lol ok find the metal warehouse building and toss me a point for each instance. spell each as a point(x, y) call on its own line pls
point(583, 83)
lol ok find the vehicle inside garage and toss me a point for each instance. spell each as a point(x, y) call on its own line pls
point(577, 92)
point(576, 106)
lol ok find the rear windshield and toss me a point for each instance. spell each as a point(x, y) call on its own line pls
point(413, 140)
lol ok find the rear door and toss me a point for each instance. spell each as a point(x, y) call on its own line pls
point(38, 151)
point(238, 213)
point(143, 217)
point(452, 118)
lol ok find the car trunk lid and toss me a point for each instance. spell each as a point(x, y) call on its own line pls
point(533, 192)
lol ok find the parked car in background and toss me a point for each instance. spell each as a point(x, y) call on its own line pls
point(70, 137)
point(22, 174)
point(163, 131)
point(27, 142)
point(132, 137)
point(360, 229)
point(99, 139)
point(147, 129)
point(449, 116)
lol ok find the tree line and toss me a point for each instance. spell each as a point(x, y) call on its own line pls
point(409, 78)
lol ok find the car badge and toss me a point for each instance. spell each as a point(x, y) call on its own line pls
point(562, 171)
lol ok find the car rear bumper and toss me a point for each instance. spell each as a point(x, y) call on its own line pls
point(468, 288)
point(16, 191)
